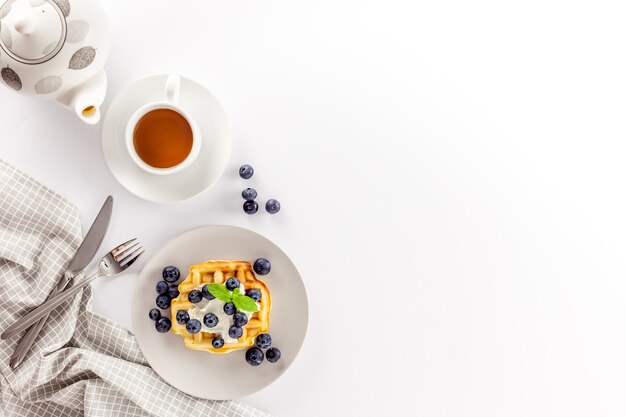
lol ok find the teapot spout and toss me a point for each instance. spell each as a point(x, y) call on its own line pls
point(87, 98)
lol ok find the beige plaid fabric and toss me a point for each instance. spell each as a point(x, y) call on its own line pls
point(82, 363)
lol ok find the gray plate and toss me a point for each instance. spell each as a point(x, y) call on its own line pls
point(228, 376)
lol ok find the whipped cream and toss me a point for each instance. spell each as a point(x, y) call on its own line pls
point(215, 306)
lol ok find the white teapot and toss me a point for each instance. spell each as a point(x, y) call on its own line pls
point(56, 49)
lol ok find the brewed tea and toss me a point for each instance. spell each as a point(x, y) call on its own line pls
point(163, 138)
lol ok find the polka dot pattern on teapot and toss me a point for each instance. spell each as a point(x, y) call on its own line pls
point(11, 78)
point(48, 85)
point(82, 58)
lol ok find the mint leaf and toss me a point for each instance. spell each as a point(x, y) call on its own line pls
point(236, 292)
point(219, 291)
point(245, 303)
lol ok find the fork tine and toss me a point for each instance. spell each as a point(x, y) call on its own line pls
point(128, 254)
point(124, 251)
point(121, 247)
point(127, 251)
point(128, 261)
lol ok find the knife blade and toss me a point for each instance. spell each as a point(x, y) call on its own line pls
point(87, 250)
point(85, 253)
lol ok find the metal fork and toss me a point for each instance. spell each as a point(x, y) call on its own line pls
point(111, 264)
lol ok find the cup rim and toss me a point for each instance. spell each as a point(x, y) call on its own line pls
point(130, 137)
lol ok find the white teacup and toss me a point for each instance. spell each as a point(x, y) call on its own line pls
point(170, 101)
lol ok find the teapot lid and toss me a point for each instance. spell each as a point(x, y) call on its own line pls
point(32, 31)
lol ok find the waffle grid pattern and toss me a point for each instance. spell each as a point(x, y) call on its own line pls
point(218, 272)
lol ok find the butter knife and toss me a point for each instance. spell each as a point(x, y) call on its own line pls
point(84, 255)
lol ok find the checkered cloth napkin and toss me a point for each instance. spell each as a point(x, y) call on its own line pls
point(82, 364)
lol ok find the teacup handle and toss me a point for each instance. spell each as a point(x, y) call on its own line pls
point(172, 88)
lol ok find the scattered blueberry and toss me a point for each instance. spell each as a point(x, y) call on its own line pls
point(173, 291)
point(249, 194)
point(206, 294)
point(154, 314)
point(210, 320)
point(250, 207)
point(182, 317)
point(163, 325)
point(263, 340)
point(246, 172)
point(193, 326)
point(217, 342)
point(229, 308)
point(254, 293)
point(262, 266)
point(163, 301)
point(240, 319)
point(232, 283)
point(162, 287)
point(254, 356)
point(272, 355)
point(195, 296)
point(235, 332)
point(171, 274)
point(272, 206)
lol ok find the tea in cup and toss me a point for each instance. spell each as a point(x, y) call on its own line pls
point(161, 137)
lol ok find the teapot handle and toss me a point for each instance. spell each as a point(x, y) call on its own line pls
point(172, 88)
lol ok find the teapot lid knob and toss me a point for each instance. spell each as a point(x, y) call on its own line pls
point(24, 25)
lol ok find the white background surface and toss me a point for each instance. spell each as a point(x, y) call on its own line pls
point(451, 175)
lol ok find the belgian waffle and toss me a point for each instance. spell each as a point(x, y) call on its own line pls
point(218, 272)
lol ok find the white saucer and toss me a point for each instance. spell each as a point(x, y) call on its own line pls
point(206, 169)
point(203, 374)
